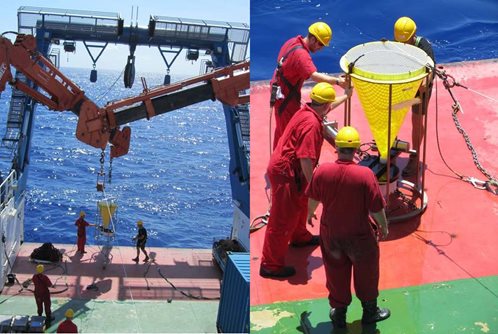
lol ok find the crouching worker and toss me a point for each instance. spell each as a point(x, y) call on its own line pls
point(349, 194)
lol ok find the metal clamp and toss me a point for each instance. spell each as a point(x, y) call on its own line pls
point(489, 186)
point(475, 182)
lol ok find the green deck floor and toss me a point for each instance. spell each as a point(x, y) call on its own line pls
point(461, 306)
point(97, 316)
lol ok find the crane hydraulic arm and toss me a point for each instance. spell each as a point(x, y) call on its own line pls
point(97, 126)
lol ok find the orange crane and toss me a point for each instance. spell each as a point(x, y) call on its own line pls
point(98, 126)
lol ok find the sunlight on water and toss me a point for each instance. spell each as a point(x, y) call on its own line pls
point(175, 177)
point(459, 30)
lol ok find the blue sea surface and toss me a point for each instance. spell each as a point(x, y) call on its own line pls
point(174, 178)
point(458, 30)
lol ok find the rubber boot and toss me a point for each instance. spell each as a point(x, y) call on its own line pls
point(281, 273)
point(372, 313)
point(314, 241)
point(338, 317)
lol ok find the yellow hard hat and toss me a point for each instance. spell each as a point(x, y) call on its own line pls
point(82, 213)
point(323, 93)
point(404, 29)
point(347, 137)
point(40, 268)
point(140, 223)
point(321, 31)
point(69, 313)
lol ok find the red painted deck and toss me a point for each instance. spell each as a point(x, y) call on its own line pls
point(462, 220)
point(190, 270)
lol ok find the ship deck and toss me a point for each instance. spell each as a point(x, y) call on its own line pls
point(123, 296)
point(438, 271)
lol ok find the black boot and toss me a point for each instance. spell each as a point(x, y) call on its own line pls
point(281, 273)
point(372, 313)
point(338, 316)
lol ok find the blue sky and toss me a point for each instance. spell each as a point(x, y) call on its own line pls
point(147, 59)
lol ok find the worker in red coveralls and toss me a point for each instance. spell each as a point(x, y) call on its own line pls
point(42, 295)
point(68, 326)
point(294, 66)
point(290, 169)
point(350, 194)
point(81, 224)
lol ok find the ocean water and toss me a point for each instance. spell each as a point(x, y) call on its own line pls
point(174, 178)
point(459, 30)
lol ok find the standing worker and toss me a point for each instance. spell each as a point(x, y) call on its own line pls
point(290, 169)
point(42, 294)
point(141, 239)
point(68, 326)
point(294, 66)
point(349, 193)
point(81, 224)
point(404, 32)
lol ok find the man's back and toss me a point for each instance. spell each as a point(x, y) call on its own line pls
point(42, 283)
point(424, 44)
point(142, 234)
point(301, 139)
point(348, 192)
point(67, 326)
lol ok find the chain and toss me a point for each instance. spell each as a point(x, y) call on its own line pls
point(110, 170)
point(101, 175)
point(491, 184)
point(405, 199)
point(456, 108)
point(102, 160)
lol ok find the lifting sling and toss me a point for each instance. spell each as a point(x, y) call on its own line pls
point(294, 92)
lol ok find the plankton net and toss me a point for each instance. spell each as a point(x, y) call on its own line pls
point(387, 76)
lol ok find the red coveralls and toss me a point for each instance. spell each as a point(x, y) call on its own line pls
point(347, 240)
point(296, 68)
point(42, 295)
point(82, 224)
point(67, 326)
point(289, 206)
